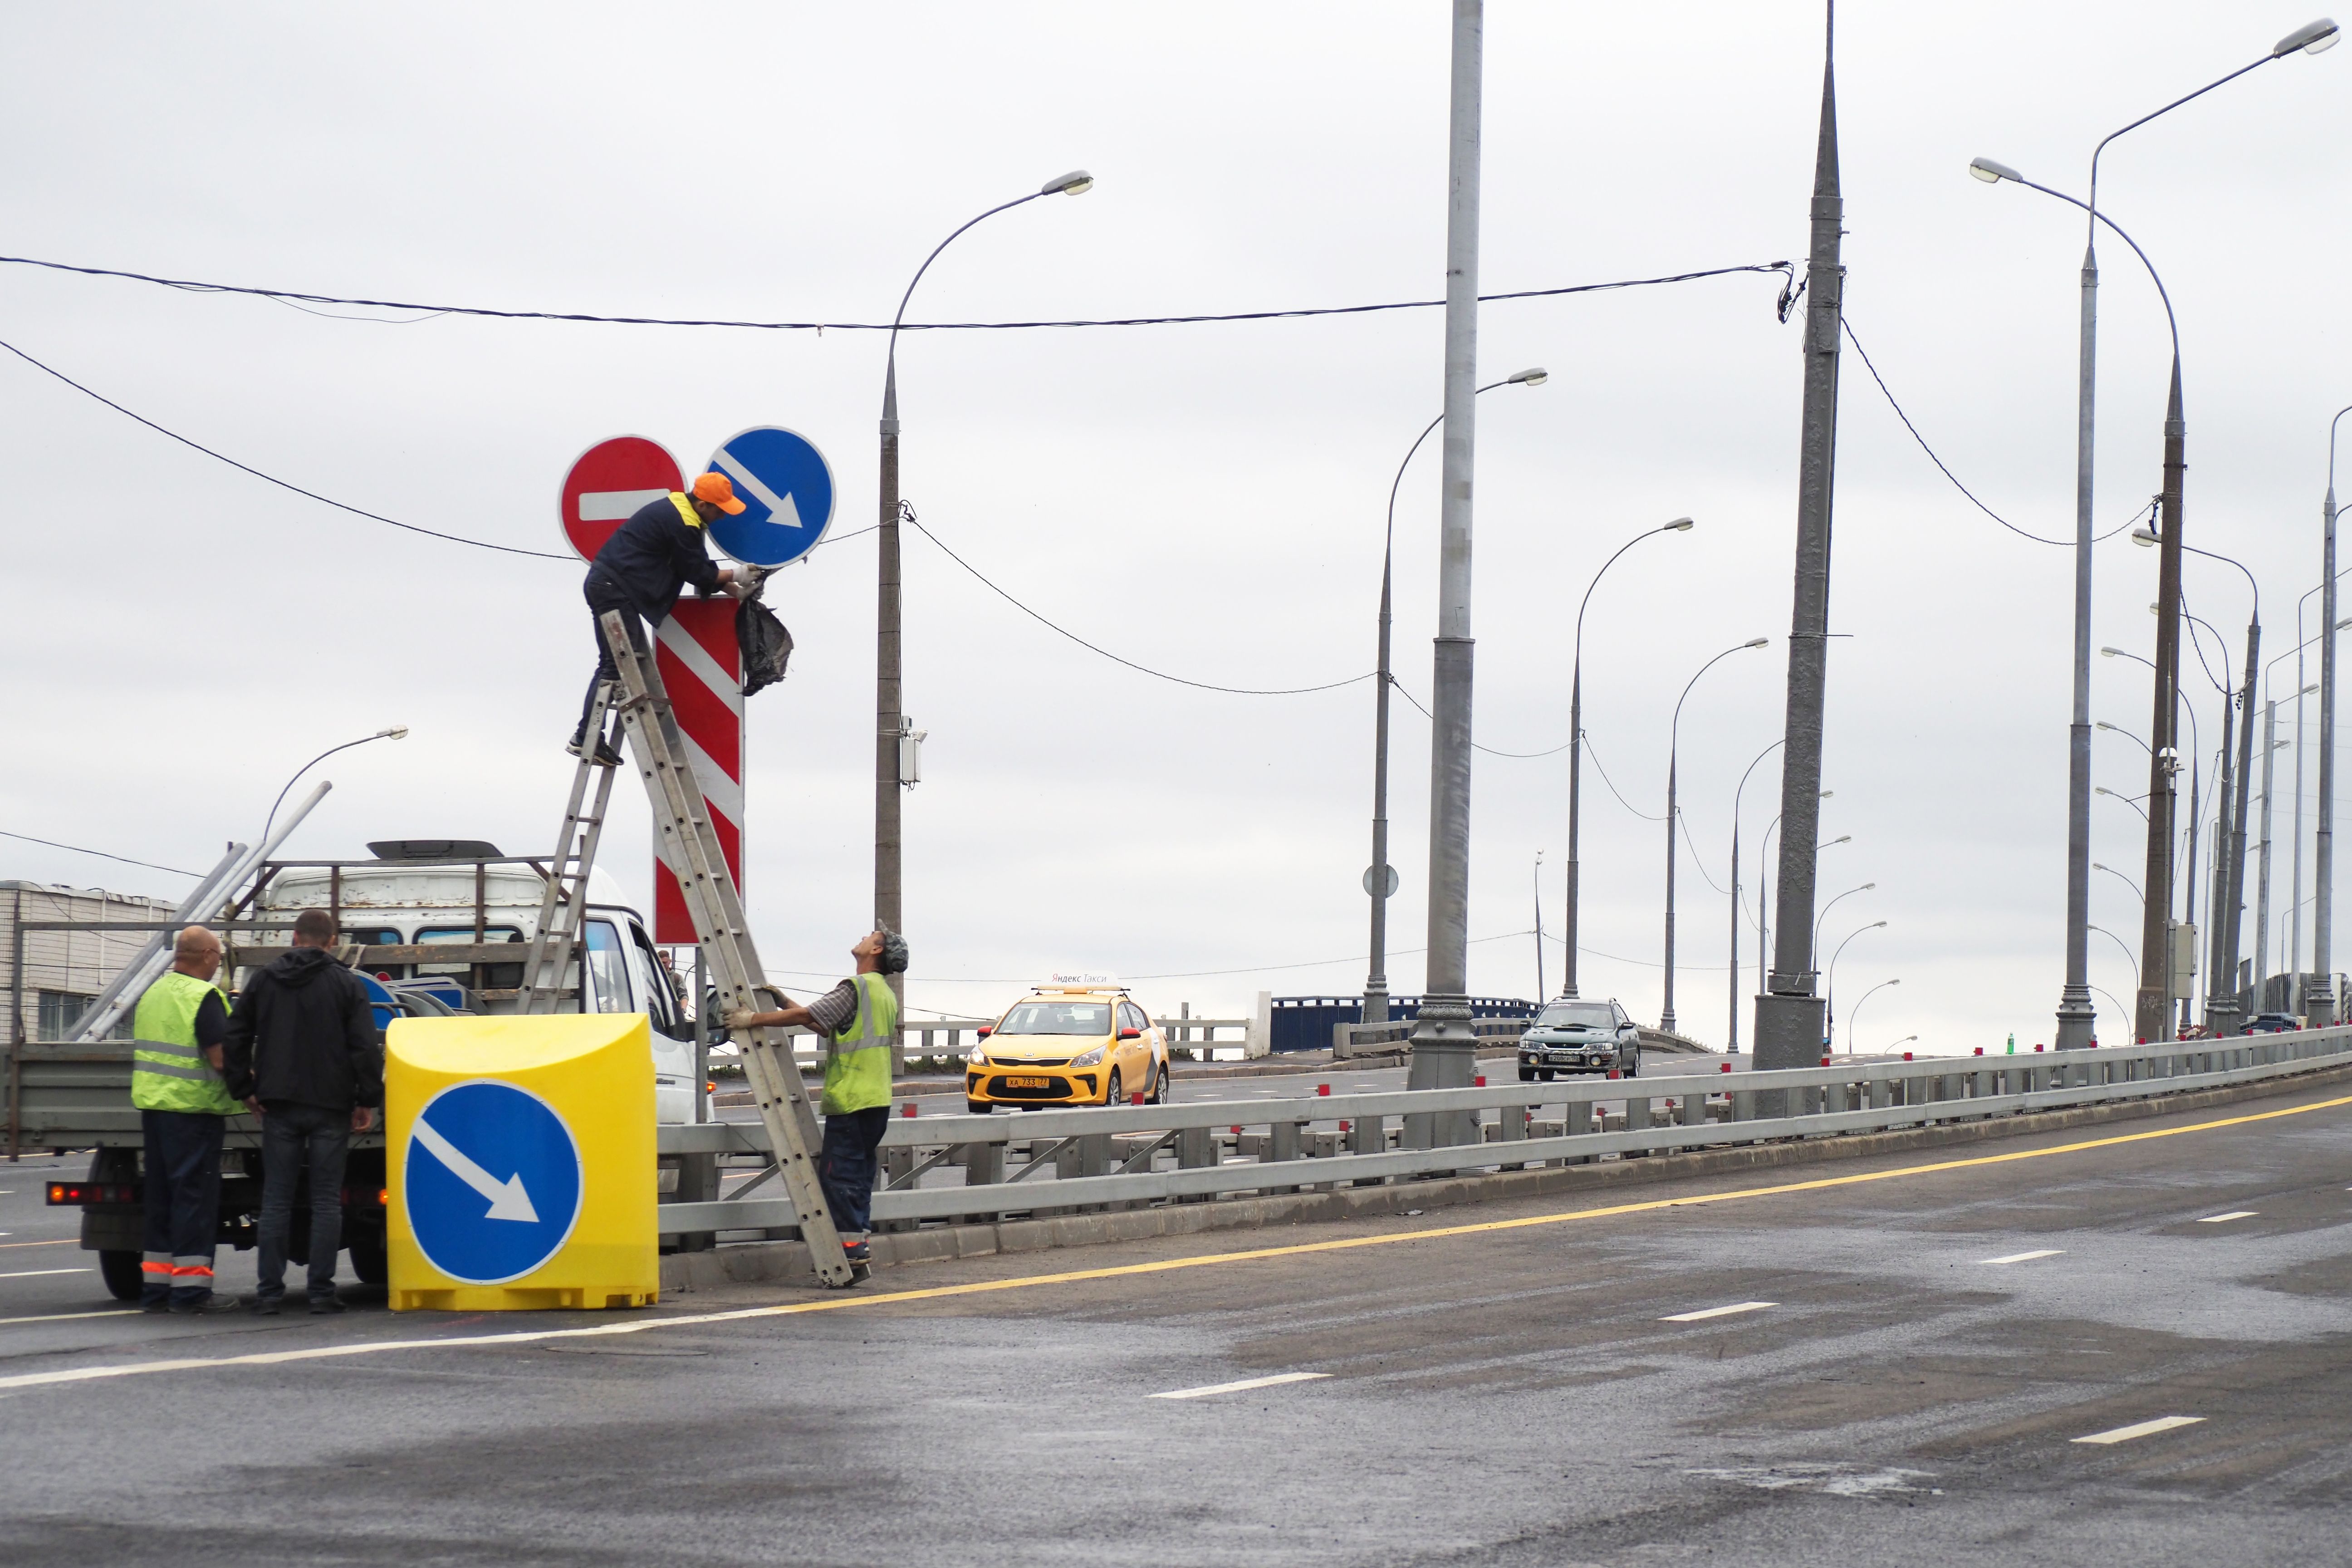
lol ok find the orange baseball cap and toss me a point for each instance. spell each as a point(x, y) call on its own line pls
point(715, 488)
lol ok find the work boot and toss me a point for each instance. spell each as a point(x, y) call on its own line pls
point(857, 1252)
point(264, 1306)
point(604, 755)
point(325, 1306)
point(207, 1305)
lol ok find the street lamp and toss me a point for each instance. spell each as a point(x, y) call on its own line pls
point(396, 732)
point(892, 723)
point(1673, 745)
point(1898, 1046)
point(2127, 800)
point(2127, 882)
point(1379, 879)
point(1856, 1016)
point(1576, 735)
point(1828, 981)
point(1814, 951)
point(2076, 1016)
point(2322, 914)
point(2119, 729)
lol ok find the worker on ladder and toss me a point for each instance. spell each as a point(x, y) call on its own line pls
point(859, 1019)
point(183, 1099)
point(641, 571)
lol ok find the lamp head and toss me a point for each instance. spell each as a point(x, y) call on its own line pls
point(1077, 182)
point(1756, 642)
point(1534, 375)
point(1876, 925)
point(397, 732)
point(1993, 174)
point(1827, 793)
point(2102, 724)
point(2346, 621)
point(1842, 838)
point(1679, 525)
point(2312, 38)
point(1865, 888)
point(2143, 537)
point(2305, 692)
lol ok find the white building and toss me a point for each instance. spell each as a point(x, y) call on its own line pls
point(63, 971)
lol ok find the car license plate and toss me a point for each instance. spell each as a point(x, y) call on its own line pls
point(1566, 1057)
point(1024, 1083)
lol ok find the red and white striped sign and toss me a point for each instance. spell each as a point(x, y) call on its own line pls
point(702, 668)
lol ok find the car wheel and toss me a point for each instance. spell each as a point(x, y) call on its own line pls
point(977, 1107)
point(1526, 1075)
point(1110, 1089)
point(1633, 1063)
point(1159, 1095)
point(1546, 1074)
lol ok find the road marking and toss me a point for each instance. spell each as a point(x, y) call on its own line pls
point(2144, 1429)
point(1237, 1387)
point(1135, 1270)
point(2026, 1257)
point(1701, 1316)
point(2233, 1214)
point(29, 1273)
point(63, 1317)
point(62, 1241)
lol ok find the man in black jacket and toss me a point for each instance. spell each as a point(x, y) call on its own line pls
point(302, 1053)
point(641, 571)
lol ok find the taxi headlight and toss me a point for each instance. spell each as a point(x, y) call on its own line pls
point(1090, 1058)
point(978, 1057)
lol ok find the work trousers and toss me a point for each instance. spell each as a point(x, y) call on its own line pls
point(602, 595)
point(844, 1168)
point(183, 1205)
point(293, 1135)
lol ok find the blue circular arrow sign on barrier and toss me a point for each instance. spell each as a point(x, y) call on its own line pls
point(491, 1181)
point(787, 490)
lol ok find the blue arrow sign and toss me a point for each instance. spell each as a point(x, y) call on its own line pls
point(787, 491)
point(492, 1183)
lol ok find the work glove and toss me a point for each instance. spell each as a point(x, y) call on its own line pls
point(749, 580)
point(741, 1019)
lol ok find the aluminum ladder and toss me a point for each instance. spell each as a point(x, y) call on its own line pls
point(658, 751)
point(564, 905)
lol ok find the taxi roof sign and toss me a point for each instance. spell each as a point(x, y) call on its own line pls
point(1080, 977)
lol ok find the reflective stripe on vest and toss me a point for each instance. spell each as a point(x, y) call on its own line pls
point(857, 1057)
point(168, 1072)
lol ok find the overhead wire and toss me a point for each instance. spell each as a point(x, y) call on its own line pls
point(303, 298)
point(77, 849)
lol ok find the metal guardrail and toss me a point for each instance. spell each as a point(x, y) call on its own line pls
point(1112, 1155)
point(940, 1042)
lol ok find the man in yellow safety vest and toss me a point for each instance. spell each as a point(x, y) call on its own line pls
point(859, 1019)
point(176, 1084)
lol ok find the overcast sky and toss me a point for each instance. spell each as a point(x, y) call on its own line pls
point(1203, 499)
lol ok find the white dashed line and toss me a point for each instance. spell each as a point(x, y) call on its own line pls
point(1246, 1383)
point(2233, 1214)
point(64, 1317)
point(29, 1273)
point(2026, 1257)
point(2144, 1429)
point(1718, 1311)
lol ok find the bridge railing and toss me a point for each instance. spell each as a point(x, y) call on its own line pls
point(978, 1168)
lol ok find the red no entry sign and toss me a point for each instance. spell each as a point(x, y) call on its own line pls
point(606, 483)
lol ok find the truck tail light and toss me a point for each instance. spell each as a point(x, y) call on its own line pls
point(89, 1194)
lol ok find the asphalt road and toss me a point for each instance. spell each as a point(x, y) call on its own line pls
point(1923, 1342)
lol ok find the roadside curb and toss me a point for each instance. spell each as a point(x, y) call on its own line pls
point(787, 1262)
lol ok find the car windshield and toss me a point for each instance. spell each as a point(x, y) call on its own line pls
point(1057, 1018)
point(1577, 1014)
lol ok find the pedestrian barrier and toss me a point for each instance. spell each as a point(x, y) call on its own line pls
point(986, 1168)
point(520, 1152)
point(938, 1044)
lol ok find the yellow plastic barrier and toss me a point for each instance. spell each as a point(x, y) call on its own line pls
point(523, 1164)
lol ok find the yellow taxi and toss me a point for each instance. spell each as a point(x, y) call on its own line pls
point(1067, 1045)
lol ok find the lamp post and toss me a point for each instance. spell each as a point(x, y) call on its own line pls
point(1576, 735)
point(1379, 878)
point(396, 732)
point(1764, 882)
point(2076, 1016)
point(2322, 915)
point(1813, 947)
point(1538, 884)
point(1829, 981)
point(1731, 1047)
point(889, 723)
point(1444, 1045)
point(1673, 745)
point(1853, 1017)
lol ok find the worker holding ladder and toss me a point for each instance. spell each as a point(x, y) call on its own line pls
point(859, 1021)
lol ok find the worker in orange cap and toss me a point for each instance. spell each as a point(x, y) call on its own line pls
point(641, 571)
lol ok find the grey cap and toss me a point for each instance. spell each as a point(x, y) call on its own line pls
point(894, 952)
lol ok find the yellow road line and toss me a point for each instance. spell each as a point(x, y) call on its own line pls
point(1126, 1270)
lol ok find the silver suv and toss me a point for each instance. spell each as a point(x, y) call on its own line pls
point(1570, 1036)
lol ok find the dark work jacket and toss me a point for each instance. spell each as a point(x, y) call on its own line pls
point(302, 1033)
point(650, 559)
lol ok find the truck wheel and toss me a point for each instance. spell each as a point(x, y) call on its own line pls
point(121, 1270)
point(370, 1261)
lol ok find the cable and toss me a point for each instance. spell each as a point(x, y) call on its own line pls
point(1940, 462)
point(272, 478)
point(1612, 787)
point(1517, 756)
point(906, 512)
point(102, 854)
point(1696, 858)
point(287, 296)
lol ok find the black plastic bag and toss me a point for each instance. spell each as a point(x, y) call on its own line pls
point(767, 646)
